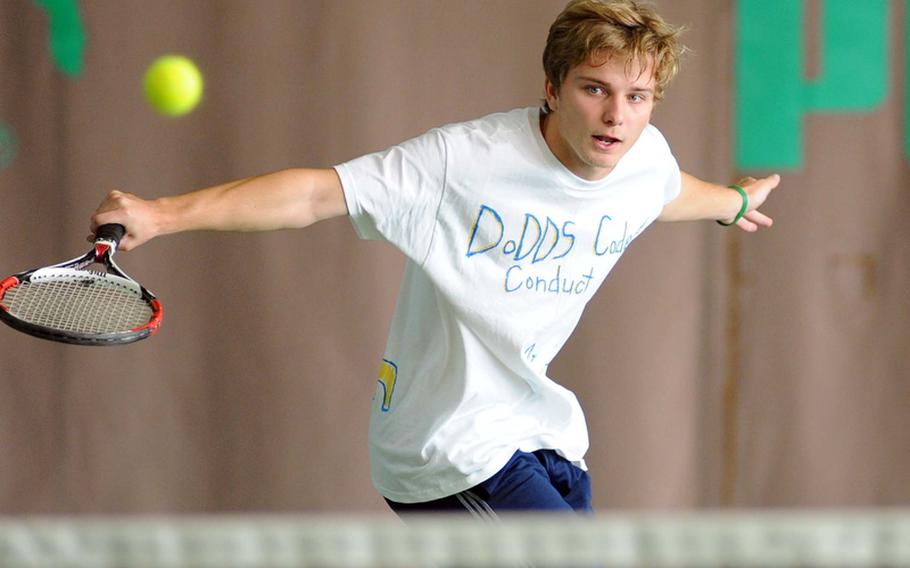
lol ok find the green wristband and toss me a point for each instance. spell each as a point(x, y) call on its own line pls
point(742, 210)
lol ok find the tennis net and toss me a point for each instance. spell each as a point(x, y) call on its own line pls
point(703, 539)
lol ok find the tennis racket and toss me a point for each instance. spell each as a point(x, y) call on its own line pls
point(67, 302)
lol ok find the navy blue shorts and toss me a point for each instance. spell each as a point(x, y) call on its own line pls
point(539, 481)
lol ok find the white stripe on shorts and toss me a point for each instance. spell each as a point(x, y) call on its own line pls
point(478, 508)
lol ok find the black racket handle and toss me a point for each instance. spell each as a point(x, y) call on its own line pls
point(110, 232)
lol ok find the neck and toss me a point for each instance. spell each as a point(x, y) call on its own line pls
point(544, 119)
point(547, 124)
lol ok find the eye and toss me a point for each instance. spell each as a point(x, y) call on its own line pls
point(637, 98)
point(594, 90)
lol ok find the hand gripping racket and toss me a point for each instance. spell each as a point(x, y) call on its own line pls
point(68, 303)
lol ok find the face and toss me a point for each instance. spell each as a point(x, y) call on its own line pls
point(599, 112)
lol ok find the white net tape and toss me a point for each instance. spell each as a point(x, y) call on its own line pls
point(80, 302)
point(805, 539)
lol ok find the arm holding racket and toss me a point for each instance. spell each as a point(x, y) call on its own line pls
point(71, 303)
point(700, 200)
point(285, 199)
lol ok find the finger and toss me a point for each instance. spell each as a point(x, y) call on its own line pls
point(759, 218)
point(115, 195)
point(773, 179)
point(747, 225)
point(105, 203)
point(764, 185)
point(746, 180)
point(95, 223)
point(113, 201)
point(108, 217)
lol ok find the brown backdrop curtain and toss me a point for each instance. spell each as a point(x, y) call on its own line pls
point(716, 368)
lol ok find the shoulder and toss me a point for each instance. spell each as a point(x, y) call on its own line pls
point(469, 140)
point(652, 137)
point(651, 149)
point(495, 125)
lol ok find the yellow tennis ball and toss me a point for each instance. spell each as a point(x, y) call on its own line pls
point(173, 85)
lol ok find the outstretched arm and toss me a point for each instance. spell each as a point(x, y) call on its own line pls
point(285, 199)
point(700, 200)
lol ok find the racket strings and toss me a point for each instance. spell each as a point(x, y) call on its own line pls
point(85, 305)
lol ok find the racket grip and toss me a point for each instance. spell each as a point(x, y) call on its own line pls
point(110, 232)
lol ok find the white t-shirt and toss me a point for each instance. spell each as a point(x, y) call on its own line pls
point(505, 247)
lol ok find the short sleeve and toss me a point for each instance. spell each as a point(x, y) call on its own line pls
point(662, 158)
point(674, 182)
point(394, 194)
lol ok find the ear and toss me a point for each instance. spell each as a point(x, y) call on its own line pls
point(551, 94)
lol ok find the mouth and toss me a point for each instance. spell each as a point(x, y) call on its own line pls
point(605, 142)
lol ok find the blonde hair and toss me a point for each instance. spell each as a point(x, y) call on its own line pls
point(591, 28)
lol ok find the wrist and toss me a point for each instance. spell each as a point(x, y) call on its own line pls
point(164, 218)
point(741, 210)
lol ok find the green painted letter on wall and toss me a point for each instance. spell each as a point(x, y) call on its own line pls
point(772, 94)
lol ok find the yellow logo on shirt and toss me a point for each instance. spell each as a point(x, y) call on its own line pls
point(388, 374)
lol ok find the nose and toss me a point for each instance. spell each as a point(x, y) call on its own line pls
point(613, 111)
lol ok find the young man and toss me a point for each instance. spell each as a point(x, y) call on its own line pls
point(510, 223)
